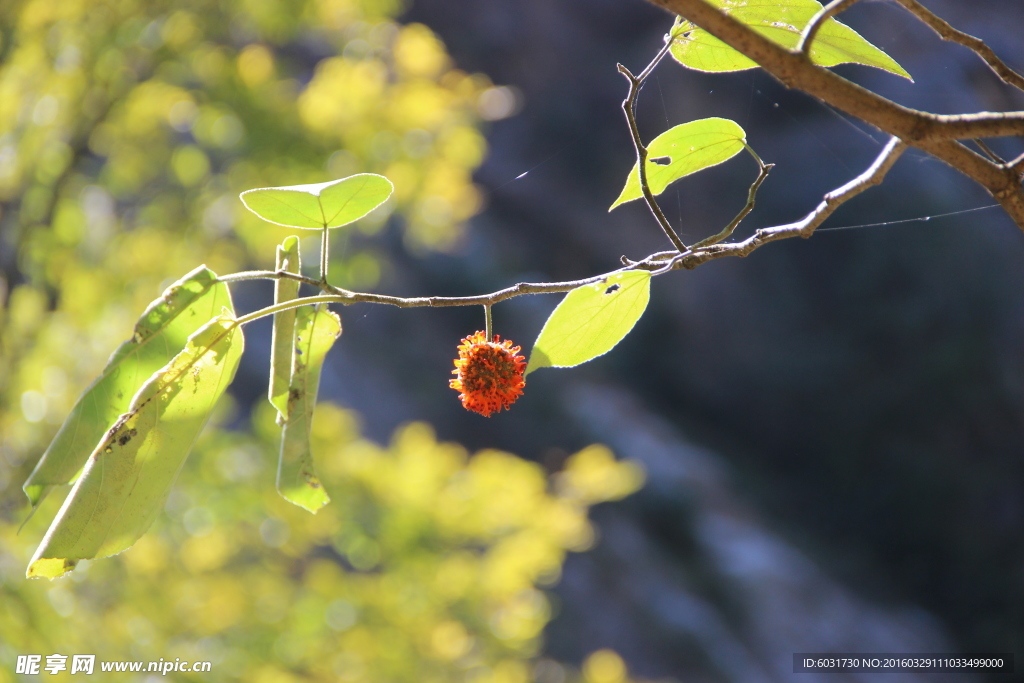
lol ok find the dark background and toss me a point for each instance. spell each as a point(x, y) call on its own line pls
point(856, 400)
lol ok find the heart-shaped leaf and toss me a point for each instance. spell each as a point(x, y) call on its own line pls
point(319, 206)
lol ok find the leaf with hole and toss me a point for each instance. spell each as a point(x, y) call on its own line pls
point(130, 473)
point(161, 330)
point(316, 328)
point(781, 21)
point(324, 205)
point(283, 334)
point(591, 320)
point(682, 150)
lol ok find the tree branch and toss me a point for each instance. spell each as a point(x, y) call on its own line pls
point(658, 263)
point(806, 226)
point(929, 132)
point(629, 108)
point(344, 296)
point(906, 126)
point(947, 32)
point(988, 151)
point(1017, 167)
point(816, 22)
point(727, 231)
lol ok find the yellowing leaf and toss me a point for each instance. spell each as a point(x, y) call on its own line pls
point(130, 473)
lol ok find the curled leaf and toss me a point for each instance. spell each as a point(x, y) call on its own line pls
point(316, 328)
point(160, 332)
point(130, 473)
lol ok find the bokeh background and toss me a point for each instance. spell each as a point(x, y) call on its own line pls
point(817, 448)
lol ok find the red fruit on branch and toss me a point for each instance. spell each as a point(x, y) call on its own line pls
point(489, 374)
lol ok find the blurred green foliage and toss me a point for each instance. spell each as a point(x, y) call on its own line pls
point(127, 129)
point(427, 566)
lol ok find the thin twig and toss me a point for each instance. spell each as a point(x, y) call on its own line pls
point(629, 107)
point(488, 323)
point(324, 246)
point(657, 256)
point(806, 226)
point(642, 76)
point(658, 263)
point(988, 150)
point(947, 32)
point(1017, 166)
point(794, 71)
point(933, 133)
point(343, 296)
point(281, 274)
point(671, 264)
point(818, 20)
point(751, 196)
point(711, 248)
point(287, 305)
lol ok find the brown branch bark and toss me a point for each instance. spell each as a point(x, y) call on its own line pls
point(1017, 166)
point(932, 133)
point(808, 224)
point(658, 263)
point(947, 32)
point(629, 108)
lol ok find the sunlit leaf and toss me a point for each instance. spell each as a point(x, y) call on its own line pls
point(283, 334)
point(682, 150)
point(159, 334)
point(316, 328)
point(314, 207)
point(781, 21)
point(130, 473)
point(591, 320)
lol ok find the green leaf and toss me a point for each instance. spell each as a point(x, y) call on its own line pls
point(160, 332)
point(781, 21)
point(128, 476)
point(283, 335)
point(324, 205)
point(591, 320)
point(316, 328)
point(682, 150)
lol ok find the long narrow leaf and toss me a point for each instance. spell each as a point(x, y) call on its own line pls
point(284, 326)
point(130, 473)
point(160, 333)
point(316, 329)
